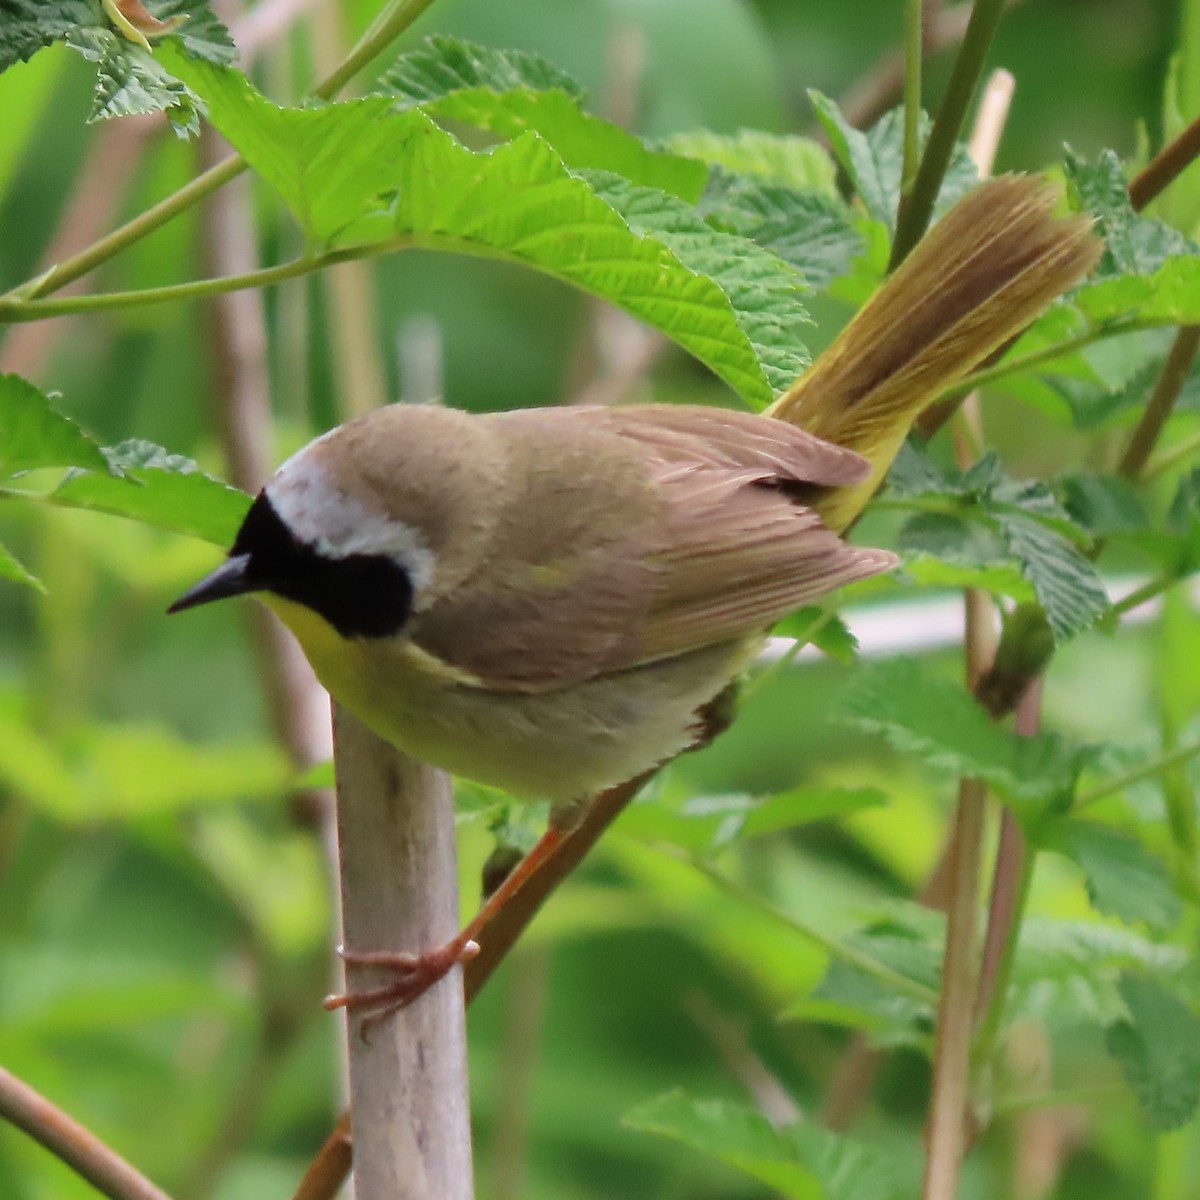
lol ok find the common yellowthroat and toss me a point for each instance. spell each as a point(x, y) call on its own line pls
point(544, 599)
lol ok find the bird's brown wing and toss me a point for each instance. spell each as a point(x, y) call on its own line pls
point(739, 550)
point(629, 535)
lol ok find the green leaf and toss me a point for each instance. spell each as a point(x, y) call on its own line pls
point(33, 433)
point(706, 824)
point(764, 292)
point(795, 164)
point(1066, 583)
point(115, 772)
point(936, 720)
point(1135, 245)
point(160, 489)
point(1124, 879)
point(1030, 525)
point(811, 231)
point(800, 1161)
point(1104, 505)
point(329, 163)
point(951, 550)
point(1158, 1047)
point(518, 201)
point(856, 999)
point(825, 630)
point(510, 92)
point(443, 65)
point(1066, 972)
point(874, 160)
point(11, 568)
point(129, 79)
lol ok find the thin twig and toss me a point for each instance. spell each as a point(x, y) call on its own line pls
point(1165, 167)
point(946, 1133)
point(15, 308)
point(70, 1142)
point(1161, 403)
point(1010, 890)
point(763, 1086)
point(1148, 770)
point(331, 1166)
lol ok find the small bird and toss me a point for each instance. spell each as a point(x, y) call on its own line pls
point(547, 600)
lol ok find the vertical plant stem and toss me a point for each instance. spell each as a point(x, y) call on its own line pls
point(952, 112)
point(946, 1133)
point(349, 287)
point(913, 29)
point(525, 1005)
point(408, 1078)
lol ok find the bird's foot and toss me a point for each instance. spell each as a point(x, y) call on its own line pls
point(412, 976)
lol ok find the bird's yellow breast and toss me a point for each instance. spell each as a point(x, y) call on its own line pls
point(558, 745)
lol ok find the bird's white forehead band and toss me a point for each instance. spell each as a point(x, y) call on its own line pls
point(337, 524)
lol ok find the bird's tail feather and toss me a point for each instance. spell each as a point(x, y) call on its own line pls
point(982, 273)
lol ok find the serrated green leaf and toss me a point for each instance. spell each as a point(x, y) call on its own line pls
point(1135, 245)
point(764, 292)
point(1124, 879)
point(921, 714)
point(1032, 526)
point(165, 490)
point(951, 550)
point(1158, 1047)
point(11, 568)
point(1066, 583)
point(518, 201)
point(795, 164)
point(510, 92)
point(800, 1161)
point(442, 65)
point(33, 433)
point(128, 77)
point(874, 160)
point(1066, 972)
point(329, 163)
point(916, 474)
point(810, 231)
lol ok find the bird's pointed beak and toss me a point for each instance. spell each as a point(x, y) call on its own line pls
point(229, 579)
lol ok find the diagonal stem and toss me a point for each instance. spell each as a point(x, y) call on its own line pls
point(76, 1146)
point(395, 17)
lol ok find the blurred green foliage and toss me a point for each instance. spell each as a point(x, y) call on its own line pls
point(165, 923)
